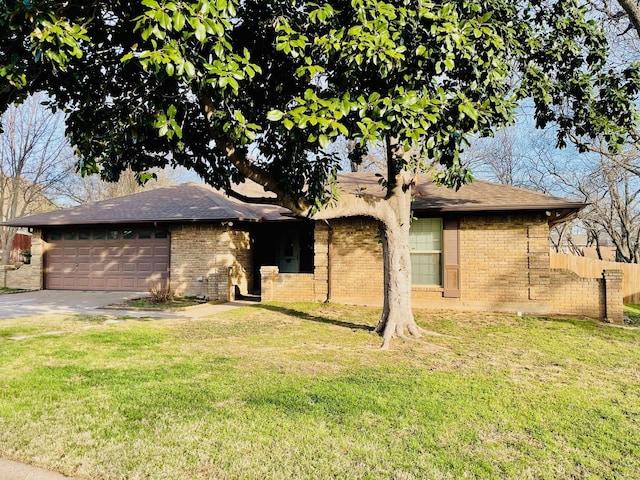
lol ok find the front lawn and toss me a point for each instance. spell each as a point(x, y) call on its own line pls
point(632, 312)
point(302, 391)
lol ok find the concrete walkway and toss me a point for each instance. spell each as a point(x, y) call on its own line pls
point(45, 302)
point(17, 471)
point(48, 302)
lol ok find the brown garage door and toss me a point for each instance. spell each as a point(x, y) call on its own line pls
point(106, 259)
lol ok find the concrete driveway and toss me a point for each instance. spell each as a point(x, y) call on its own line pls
point(44, 302)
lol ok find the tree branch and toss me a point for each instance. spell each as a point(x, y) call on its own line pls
point(239, 158)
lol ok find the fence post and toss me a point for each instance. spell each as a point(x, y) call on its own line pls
point(614, 307)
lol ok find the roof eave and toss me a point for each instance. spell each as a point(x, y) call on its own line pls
point(501, 208)
point(165, 221)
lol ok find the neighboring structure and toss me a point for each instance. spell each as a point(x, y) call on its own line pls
point(21, 247)
point(483, 247)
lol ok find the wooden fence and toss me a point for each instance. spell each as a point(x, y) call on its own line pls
point(592, 268)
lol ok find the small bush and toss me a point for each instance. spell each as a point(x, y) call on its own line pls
point(161, 292)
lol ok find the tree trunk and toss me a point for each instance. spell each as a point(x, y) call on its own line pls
point(7, 235)
point(393, 212)
point(397, 317)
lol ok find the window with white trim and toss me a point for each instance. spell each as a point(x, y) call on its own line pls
point(425, 243)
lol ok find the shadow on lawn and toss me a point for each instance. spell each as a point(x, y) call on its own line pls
point(314, 318)
point(591, 325)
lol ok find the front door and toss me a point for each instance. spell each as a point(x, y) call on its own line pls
point(289, 252)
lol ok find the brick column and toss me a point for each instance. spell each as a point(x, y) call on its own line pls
point(321, 236)
point(614, 312)
point(267, 277)
point(219, 287)
point(538, 262)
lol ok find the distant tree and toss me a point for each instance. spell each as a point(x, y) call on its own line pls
point(612, 193)
point(258, 89)
point(78, 189)
point(33, 152)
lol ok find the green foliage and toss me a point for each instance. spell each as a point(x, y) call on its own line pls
point(204, 83)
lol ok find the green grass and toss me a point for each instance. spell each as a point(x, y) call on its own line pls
point(4, 290)
point(632, 312)
point(302, 391)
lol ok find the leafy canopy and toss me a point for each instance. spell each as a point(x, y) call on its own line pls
point(258, 88)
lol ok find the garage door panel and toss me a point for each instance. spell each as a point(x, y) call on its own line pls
point(95, 284)
point(112, 283)
point(129, 267)
point(144, 267)
point(161, 250)
point(160, 266)
point(54, 280)
point(91, 261)
point(69, 282)
point(112, 267)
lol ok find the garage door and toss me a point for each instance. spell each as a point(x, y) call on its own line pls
point(106, 259)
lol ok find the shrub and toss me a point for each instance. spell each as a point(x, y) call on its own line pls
point(161, 292)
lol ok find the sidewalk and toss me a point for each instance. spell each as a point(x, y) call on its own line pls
point(17, 471)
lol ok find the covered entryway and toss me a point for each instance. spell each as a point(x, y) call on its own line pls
point(126, 259)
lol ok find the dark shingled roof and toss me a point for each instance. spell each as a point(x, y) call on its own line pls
point(195, 202)
point(478, 195)
point(190, 202)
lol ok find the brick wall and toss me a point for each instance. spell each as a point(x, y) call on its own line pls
point(210, 260)
point(286, 287)
point(28, 276)
point(575, 295)
point(322, 236)
point(356, 261)
point(504, 259)
point(504, 266)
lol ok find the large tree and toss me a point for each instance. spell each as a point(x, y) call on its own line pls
point(34, 156)
point(257, 89)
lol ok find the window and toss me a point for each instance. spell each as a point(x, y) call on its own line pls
point(99, 235)
point(53, 236)
point(425, 242)
point(84, 236)
point(113, 235)
point(162, 234)
point(128, 234)
point(144, 234)
point(69, 236)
